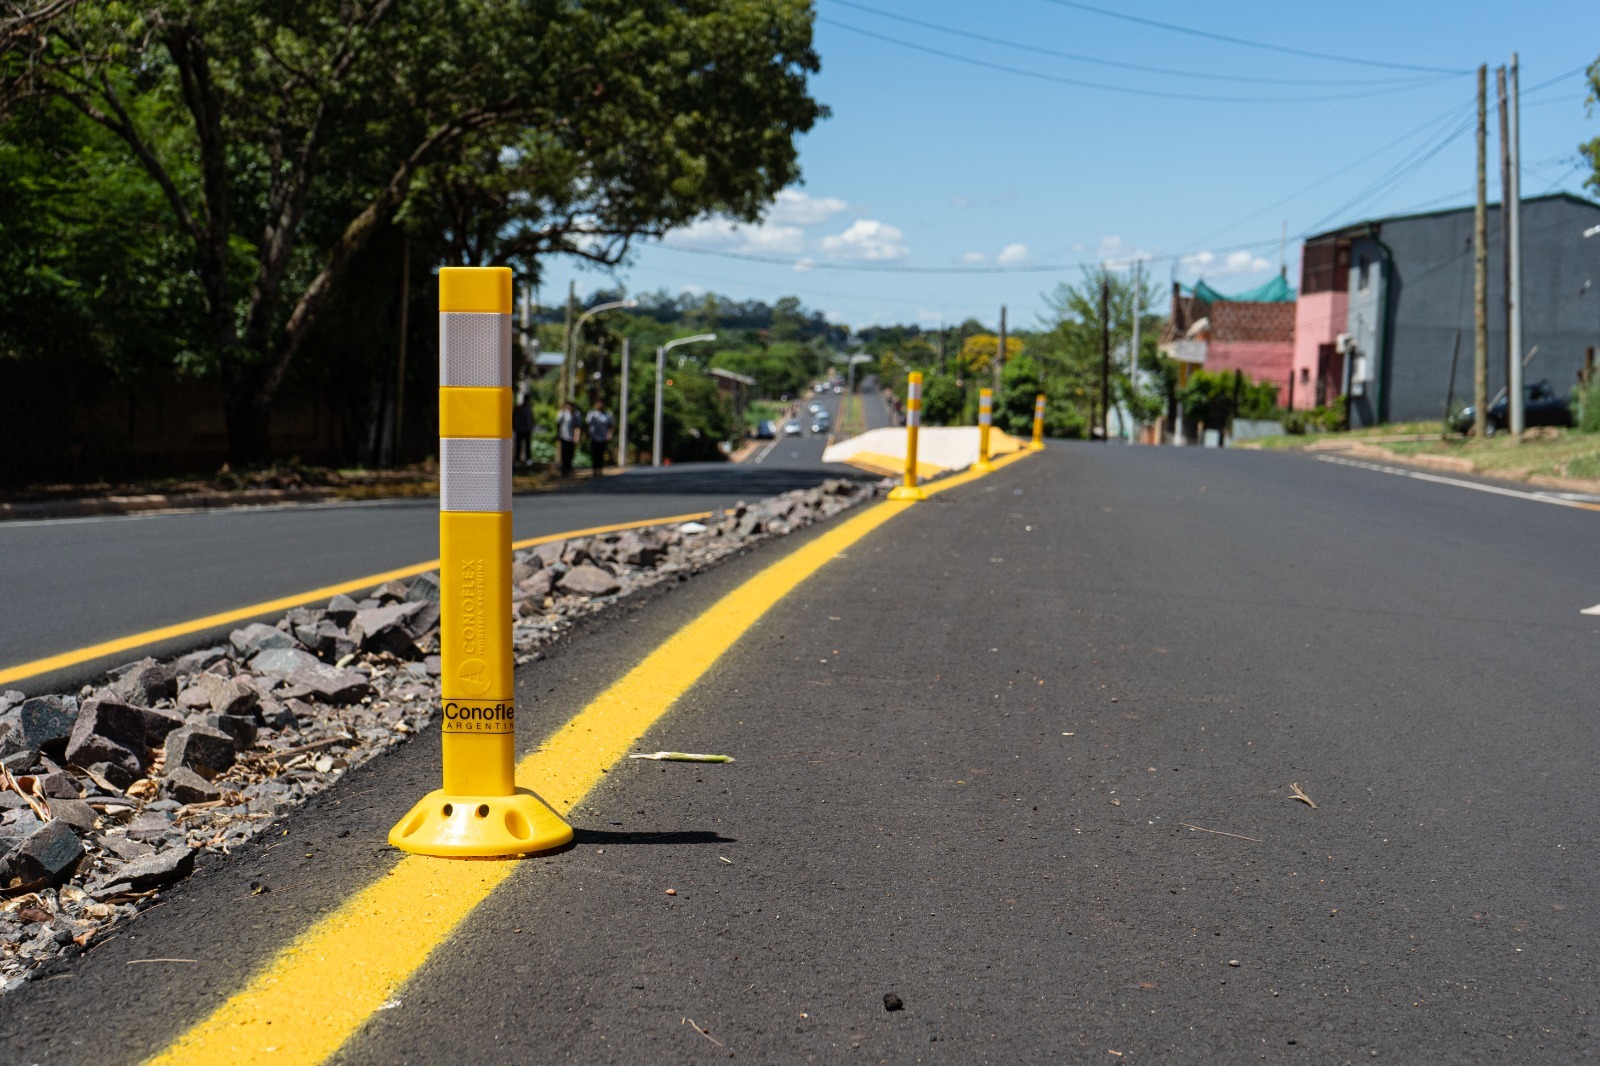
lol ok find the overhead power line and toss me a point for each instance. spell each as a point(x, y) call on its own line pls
point(1143, 68)
point(1129, 90)
point(1247, 43)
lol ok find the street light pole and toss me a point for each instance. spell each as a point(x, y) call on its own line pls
point(622, 415)
point(572, 340)
point(661, 365)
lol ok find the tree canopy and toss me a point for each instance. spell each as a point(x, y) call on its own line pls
point(262, 147)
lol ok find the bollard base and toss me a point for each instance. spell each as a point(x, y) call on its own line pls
point(983, 466)
point(907, 492)
point(1036, 446)
point(480, 826)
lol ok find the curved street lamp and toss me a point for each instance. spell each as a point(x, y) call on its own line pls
point(572, 341)
point(661, 363)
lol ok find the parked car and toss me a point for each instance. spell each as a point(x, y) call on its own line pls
point(793, 428)
point(1540, 407)
point(766, 430)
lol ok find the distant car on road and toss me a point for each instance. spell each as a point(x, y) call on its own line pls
point(793, 428)
point(837, 390)
point(814, 408)
point(766, 431)
point(1540, 407)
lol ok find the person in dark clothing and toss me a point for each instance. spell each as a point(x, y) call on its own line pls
point(522, 432)
point(598, 426)
point(567, 429)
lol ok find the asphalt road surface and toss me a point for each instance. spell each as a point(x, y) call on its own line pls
point(1023, 758)
point(73, 583)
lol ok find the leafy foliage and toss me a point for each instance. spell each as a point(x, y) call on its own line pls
point(282, 140)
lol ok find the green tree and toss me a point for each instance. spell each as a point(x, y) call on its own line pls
point(284, 137)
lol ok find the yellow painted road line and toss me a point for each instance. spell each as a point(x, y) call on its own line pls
point(197, 625)
point(305, 1003)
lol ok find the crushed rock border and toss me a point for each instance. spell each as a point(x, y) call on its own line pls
point(108, 796)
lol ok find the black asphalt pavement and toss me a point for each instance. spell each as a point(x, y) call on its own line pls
point(72, 583)
point(1023, 758)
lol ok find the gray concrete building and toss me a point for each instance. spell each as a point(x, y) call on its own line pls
point(1384, 305)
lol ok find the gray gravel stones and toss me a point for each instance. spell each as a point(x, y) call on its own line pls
point(109, 737)
point(386, 629)
point(151, 871)
point(186, 786)
point(585, 579)
point(200, 748)
point(281, 662)
point(144, 683)
point(43, 723)
point(258, 636)
point(332, 685)
point(247, 730)
point(44, 857)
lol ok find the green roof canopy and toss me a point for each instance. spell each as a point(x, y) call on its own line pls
point(1276, 291)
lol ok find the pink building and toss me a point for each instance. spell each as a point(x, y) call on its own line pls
point(1254, 335)
point(1320, 319)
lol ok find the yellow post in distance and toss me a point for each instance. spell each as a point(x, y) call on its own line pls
point(908, 490)
point(985, 418)
point(479, 811)
point(1038, 425)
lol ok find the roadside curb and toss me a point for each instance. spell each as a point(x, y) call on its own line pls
point(85, 507)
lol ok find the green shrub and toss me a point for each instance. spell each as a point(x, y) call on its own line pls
point(1586, 406)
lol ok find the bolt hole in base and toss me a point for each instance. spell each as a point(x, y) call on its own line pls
point(480, 826)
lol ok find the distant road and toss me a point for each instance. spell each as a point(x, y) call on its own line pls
point(71, 583)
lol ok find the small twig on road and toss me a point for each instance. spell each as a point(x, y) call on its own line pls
point(1299, 794)
point(1220, 833)
point(141, 962)
point(679, 756)
point(690, 1023)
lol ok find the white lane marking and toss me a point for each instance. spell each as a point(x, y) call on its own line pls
point(768, 449)
point(1537, 497)
point(1591, 610)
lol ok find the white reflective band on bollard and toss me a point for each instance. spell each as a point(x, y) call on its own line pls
point(474, 474)
point(475, 350)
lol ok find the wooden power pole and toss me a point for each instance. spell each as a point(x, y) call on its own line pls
point(1480, 269)
point(1000, 352)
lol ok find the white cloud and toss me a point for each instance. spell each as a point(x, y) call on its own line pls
point(1013, 253)
point(691, 290)
point(973, 257)
point(804, 264)
point(1235, 263)
point(960, 201)
point(867, 239)
point(1244, 263)
point(795, 208)
point(727, 235)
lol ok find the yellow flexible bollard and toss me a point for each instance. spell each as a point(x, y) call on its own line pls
point(1038, 425)
point(479, 811)
point(985, 418)
point(908, 489)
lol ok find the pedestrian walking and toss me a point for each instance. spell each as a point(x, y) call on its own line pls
point(522, 431)
point(567, 429)
point(598, 426)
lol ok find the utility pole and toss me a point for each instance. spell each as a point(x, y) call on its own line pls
point(565, 384)
point(1513, 212)
point(941, 348)
point(1000, 352)
point(1505, 211)
point(1133, 362)
point(1105, 354)
point(1480, 270)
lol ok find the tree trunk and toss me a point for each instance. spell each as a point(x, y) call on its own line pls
point(247, 407)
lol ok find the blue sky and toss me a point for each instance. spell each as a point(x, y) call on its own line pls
point(934, 168)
